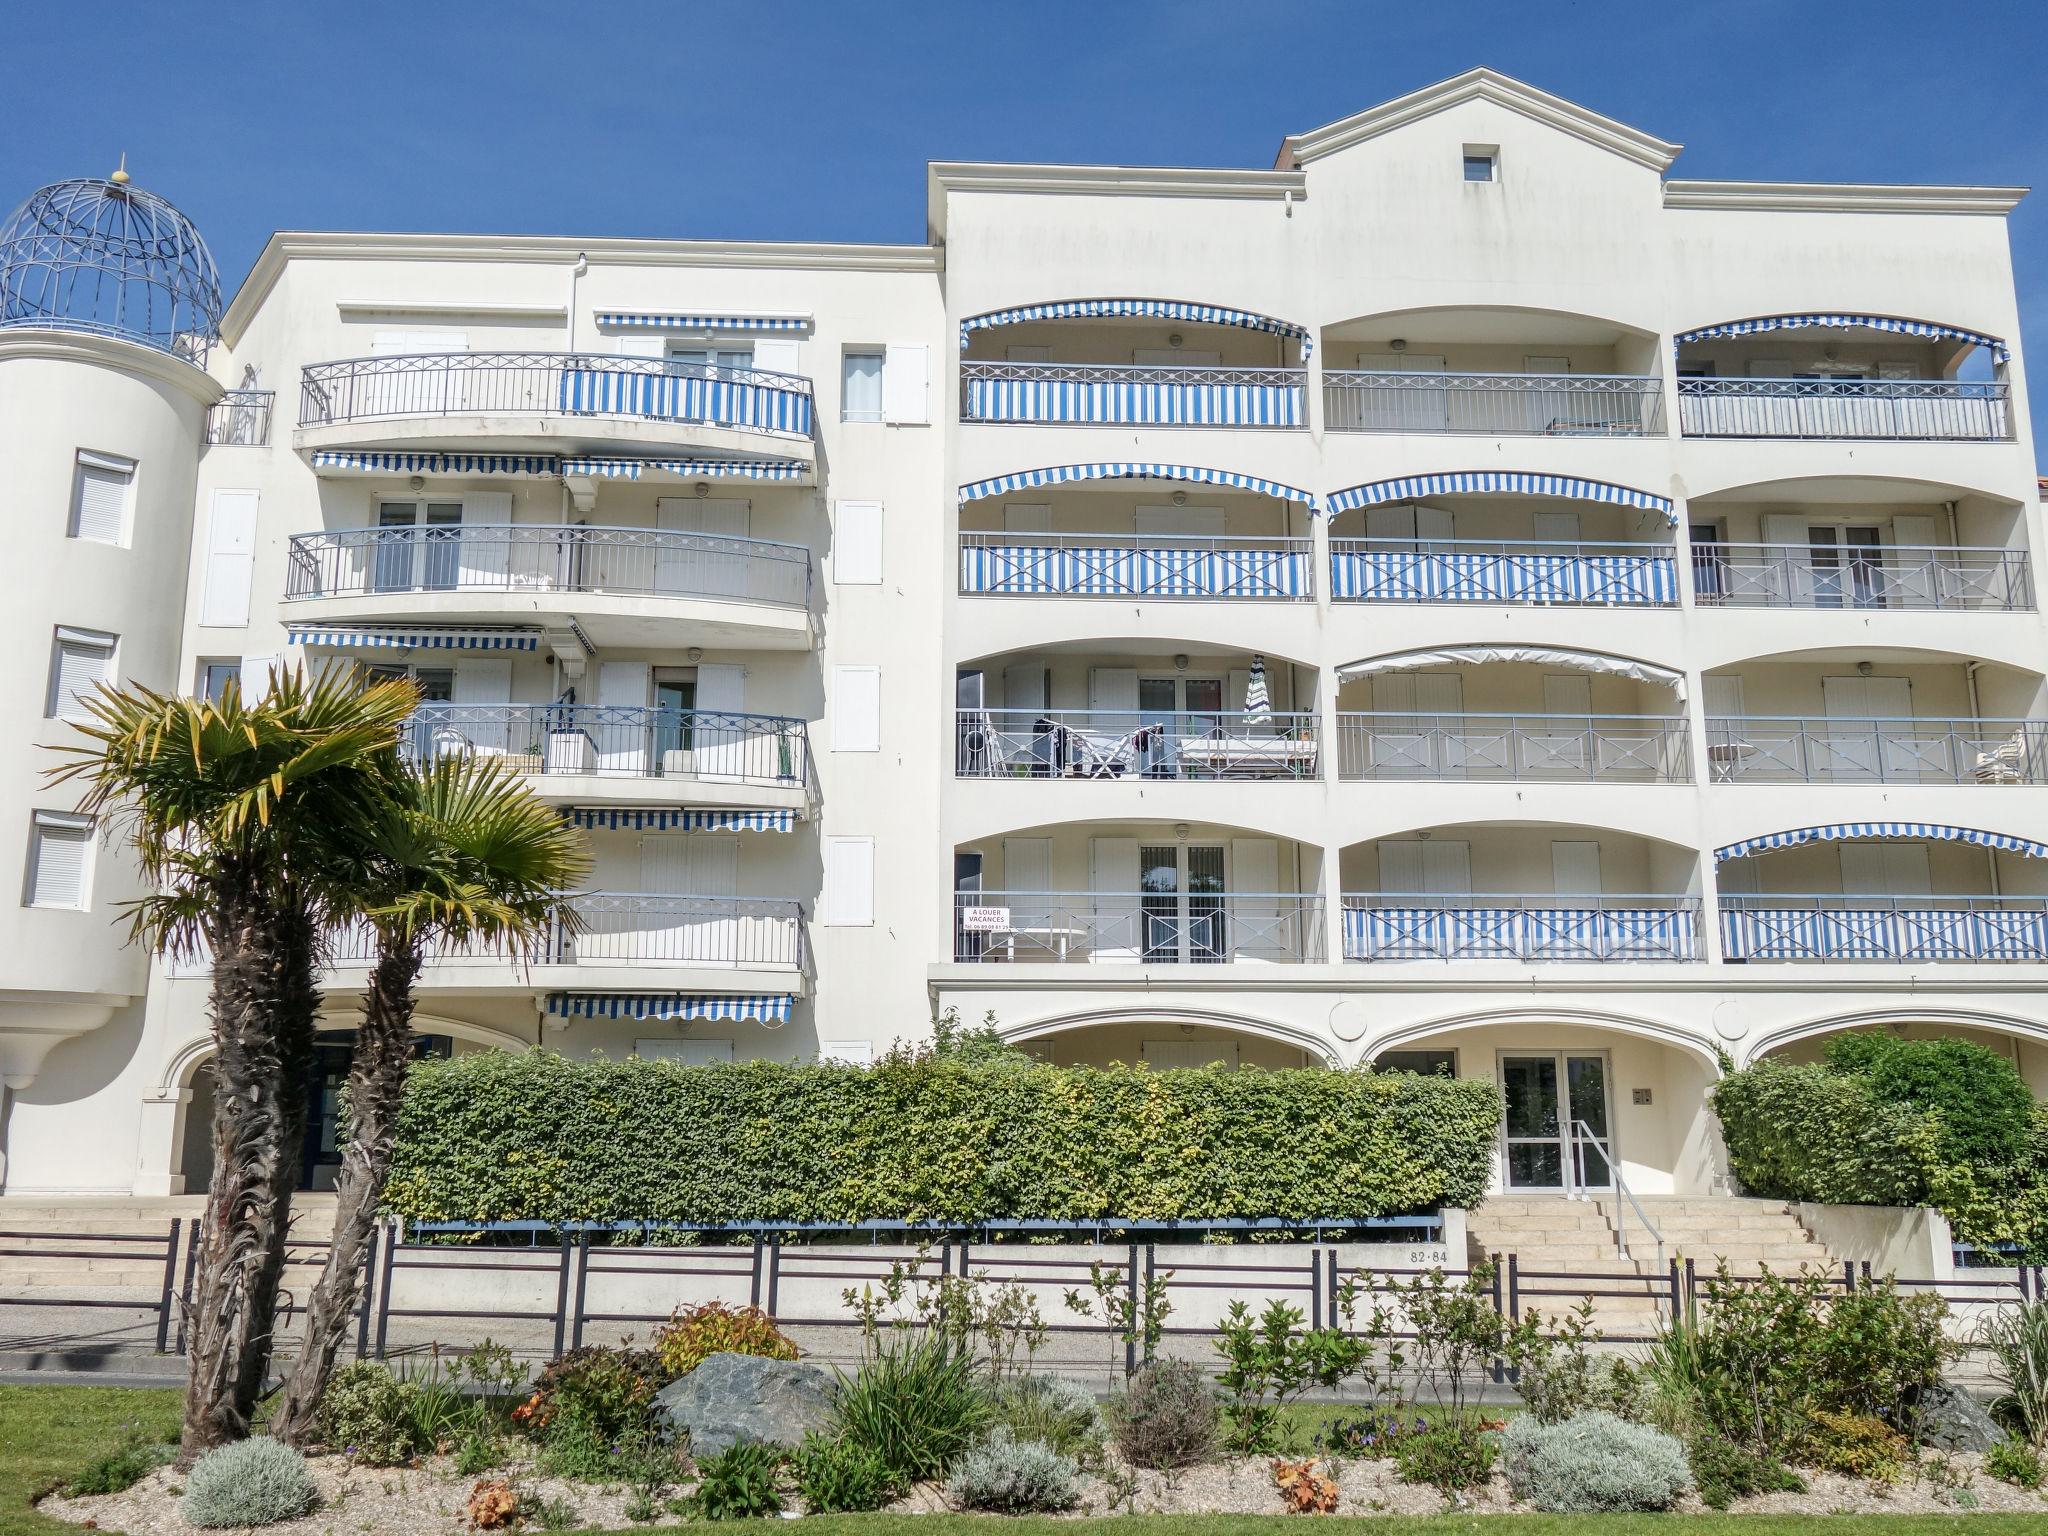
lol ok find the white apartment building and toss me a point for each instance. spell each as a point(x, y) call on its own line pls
point(1462, 598)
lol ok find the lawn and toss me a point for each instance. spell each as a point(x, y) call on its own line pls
point(46, 1433)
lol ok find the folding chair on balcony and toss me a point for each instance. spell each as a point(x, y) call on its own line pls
point(2004, 763)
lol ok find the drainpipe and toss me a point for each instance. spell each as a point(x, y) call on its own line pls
point(576, 270)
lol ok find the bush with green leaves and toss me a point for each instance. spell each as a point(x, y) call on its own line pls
point(1008, 1476)
point(1269, 1361)
point(692, 1336)
point(739, 1483)
point(1856, 1445)
point(1165, 1417)
point(1593, 1462)
point(916, 1403)
point(2016, 1338)
point(1052, 1410)
point(1985, 1108)
point(370, 1415)
point(258, 1481)
point(588, 1401)
point(1726, 1470)
point(119, 1469)
point(837, 1475)
point(2014, 1461)
point(1451, 1454)
point(538, 1136)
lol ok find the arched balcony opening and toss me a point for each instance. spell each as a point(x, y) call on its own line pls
point(2024, 1043)
point(1165, 1038)
point(1492, 371)
point(1820, 375)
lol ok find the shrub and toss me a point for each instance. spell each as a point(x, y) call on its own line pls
point(738, 1483)
point(1593, 1462)
point(1881, 1351)
point(371, 1415)
point(916, 1404)
point(837, 1476)
point(117, 1470)
point(687, 1339)
point(597, 1388)
point(1367, 1436)
point(1052, 1410)
point(1014, 1477)
point(1726, 1470)
point(1270, 1361)
point(2016, 1462)
point(1857, 1445)
point(535, 1135)
point(1985, 1106)
point(2017, 1338)
point(1304, 1488)
point(251, 1482)
point(1165, 1417)
point(1449, 1455)
point(1806, 1133)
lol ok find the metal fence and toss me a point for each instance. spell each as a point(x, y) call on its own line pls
point(698, 745)
point(632, 928)
point(540, 558)
point(1137, 927)
point(1887, 576)
point(1135, 565)
point(1619, 748)
point(1793, 749)
point(1497, 404)
point(240, 416)
point(1916, 409)
point(1852, 929)
point(1128, 744)
point(1560, 573)
point(1543, 927)
point(1085, 394)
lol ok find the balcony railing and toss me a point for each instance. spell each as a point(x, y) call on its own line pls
point(1520, 571)
point(1610, 748)
point(1793, 749)
point(627, 928)
point(1114, 394)
point(619, 740)
point(1495, 404)
point(1134, 565)
point(1835, 928)
point(240, 416)
point(1916, 409)
point(1136, 928)
point(1114, 744)
point(1860, 576)
point(1398, 926)
point(553, 383)
point(626, 562)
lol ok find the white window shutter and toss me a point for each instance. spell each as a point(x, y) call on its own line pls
point(256, 677)
point(856, 709)
point(848, 1053)
point(857, 544)
point(230, 559)
point(640, 344)
point(779, 354)
point(483, 680)
point(60, 858)
point(80, 660)
point(99, 499)
point(688, 1053)
point(906, 384)
point(849, 882)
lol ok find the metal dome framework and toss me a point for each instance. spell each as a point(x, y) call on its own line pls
point(107, 257)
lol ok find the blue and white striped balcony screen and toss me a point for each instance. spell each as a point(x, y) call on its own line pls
point(688, 469)
point(768, 1008)
point(1404, 576)
point(686, 397)
point(1137, 309)
point(1147, 404)
point(1919, 831)
point(439, 463)
point(1883, 933)
point(1029, 479)
point(372, 637)
point(1516, 933)
point(1498, 482)
point(652, 320)
point(1049, 570)
point(1763, 323)
point(607, 818)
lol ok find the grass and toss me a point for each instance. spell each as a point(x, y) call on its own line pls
point(48, 1433)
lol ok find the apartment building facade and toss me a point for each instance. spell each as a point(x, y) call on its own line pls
point(1461, 599)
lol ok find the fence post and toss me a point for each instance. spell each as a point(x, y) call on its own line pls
point(1849, 1276)
point(774, 1269)
point(581, 1264)
point(384, 1290)
point(163, 1303)
point(192, 1242)
point(1677, 1295)
point(1147, 1319)
point(754, 1290)
point(1498, 1367)
point(1315, 1283)
point(1514, 1373)
point(1333, 1287)
point(363, 1301)
point(1131, 1318)
point(1692, 1290)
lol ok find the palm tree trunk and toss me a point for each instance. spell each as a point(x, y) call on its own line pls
point(376, 1085)
point(264, 1002)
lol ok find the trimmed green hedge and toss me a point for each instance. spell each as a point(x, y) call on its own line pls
point(496, 1136)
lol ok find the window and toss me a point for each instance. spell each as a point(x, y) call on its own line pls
point(59, 860)
point(214, 677)
point(80, 660)
point(1424, 1063)
point(1482, 162)
point(99, 497)
point(860, 387)
point(683, 358)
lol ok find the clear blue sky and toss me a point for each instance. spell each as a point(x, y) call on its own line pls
point(797, 119)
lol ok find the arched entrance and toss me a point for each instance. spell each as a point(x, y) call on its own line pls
point(1170, 1037)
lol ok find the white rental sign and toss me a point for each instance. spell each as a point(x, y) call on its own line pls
point(984, 919)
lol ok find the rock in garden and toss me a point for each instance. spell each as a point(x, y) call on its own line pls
point(730, 1398)
point(1952, 1420)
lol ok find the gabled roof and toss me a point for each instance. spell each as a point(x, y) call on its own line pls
point(1479, 85)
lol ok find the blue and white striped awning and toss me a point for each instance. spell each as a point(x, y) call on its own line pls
point(670, 320)
point(766, 1008)
point(438, 463)
point(1920, 831)
point(1761, 323)
point(1475, 482)
point(413, 637)
point(1030, 478)
point(606, 818)
point(1138, 309)
point(689, 469)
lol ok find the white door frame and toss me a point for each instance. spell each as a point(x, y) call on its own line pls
point(1568, 1183)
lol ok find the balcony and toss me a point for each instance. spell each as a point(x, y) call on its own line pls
point(241, 417)
point(1109, 744)
point(1924, 577)
point(1115, 394)
point(1135, 566)
point(1493, 404)
point(1570, 573)
point(1837, 928)
point(1628, 749)
point(1905, 410)
point(626, 586)
point(1136, 928)
point(1791, 749)
point(1581, 929)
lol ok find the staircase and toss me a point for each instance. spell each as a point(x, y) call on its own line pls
point(67, 1250)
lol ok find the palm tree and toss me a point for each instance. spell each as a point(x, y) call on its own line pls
point(458, 852)
point(233, 808)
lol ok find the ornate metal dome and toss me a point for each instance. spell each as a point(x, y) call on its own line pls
point(106, 256)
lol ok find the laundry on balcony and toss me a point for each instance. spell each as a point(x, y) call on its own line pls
point(768, 1008)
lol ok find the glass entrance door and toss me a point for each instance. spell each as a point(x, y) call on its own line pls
point(1543, 1096)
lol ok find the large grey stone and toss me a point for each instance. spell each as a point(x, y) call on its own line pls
point(1952, 1420)
point(730, 1398)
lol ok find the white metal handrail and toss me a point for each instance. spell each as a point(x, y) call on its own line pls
point(1834, 927)
point(1133, 744)
point(1970, 410)
point(1861, 576)
point(1582, 1136)
point(1471, 745)
point(1509, 404)
point(1137, 927)
point(1828, 749)
point(1547, 926)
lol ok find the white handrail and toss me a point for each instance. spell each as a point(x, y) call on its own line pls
point(1583, 1133)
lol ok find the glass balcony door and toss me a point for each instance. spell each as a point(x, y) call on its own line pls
point(1543, 1096)
point(419, 546)
point(1182, 906)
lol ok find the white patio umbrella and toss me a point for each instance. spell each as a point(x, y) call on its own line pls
point(1258, 700)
